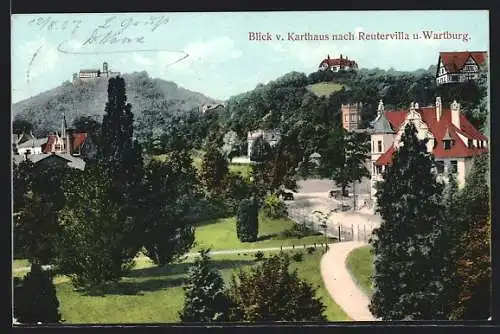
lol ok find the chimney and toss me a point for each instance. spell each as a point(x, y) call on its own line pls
point(455, 114)
point(380, 108)
point(416, 105)
point(439, 111)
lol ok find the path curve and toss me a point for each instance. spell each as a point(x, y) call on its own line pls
point(339, 283)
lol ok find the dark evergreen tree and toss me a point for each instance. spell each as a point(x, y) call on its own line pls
point(121, 154)
point(272, 292)
point(172, 192)
point(412, 246)
point(206, 299)
point(214, 169)
point(98, 239)
point(36, 299)
point(20, 126)
point(247, 224)
point(473, 254)
point(261, 150)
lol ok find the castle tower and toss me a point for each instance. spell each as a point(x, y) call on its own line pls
point(351, 116)
point(105, 69)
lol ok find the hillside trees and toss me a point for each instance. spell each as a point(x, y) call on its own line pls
point(412, 247)
point(20, 126)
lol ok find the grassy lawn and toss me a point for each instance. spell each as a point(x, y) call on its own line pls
point(221, 234)
point(153, 294)
point(324, 88)
point(309, 269)
point(360, 265)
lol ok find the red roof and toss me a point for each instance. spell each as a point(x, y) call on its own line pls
point(50, 142)
point(338, 61)
point(78, 139)
point(438, 130)
point(455, 61)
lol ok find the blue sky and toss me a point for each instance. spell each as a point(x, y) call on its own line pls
point(221, 61)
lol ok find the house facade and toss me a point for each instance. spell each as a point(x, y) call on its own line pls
point(337, 64)
point(452, 140)
point(271, 136)
point(455, 67)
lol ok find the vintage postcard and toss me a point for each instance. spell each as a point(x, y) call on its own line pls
point(250, 166)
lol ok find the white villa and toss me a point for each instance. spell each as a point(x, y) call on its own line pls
point(271, 136)
point(452, 139)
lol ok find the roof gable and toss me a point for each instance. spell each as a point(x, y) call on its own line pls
point(455, 61)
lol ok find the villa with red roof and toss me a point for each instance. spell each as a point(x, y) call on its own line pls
point(337, 64)
point(452, 140)
point(456, 67)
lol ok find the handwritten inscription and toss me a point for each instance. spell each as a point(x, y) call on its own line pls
point(113, 30)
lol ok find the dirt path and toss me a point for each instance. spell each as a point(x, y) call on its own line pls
point(339, 283)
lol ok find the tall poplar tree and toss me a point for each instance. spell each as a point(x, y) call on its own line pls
point(411, 246)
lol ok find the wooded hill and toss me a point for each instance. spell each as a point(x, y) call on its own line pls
point(44, 110)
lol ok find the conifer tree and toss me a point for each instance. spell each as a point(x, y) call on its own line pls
point(411, 246)
point(35, 298)
point(205, 295)
point(247, 224)
point(172, 192)
point(214, 169)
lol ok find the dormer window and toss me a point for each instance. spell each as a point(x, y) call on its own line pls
point(447, 140)
point(470, 143)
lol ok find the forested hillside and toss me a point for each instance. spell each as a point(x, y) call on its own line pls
point(44, 110)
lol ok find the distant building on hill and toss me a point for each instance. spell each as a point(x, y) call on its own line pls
point(213, 106)
point(94, 74)
point(454, 67)
point(337, 64)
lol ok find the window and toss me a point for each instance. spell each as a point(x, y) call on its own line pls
point(346, 118)
point(447, 144)
point(379, 145)
point(453, 166)
point(440, 167)
point(379, 169)
point(373, 146)
point(469, 143)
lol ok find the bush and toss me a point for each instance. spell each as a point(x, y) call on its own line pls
point(297, 231)
point(259, 255)
point(247, 224)
point(35, 298)
point(274, 207)
point(270, 291)
point(311, 250)
point(298, 257)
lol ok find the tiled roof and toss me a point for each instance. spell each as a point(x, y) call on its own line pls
point(338, 61)
point(455, 61)
point(73, 162)
point(439, 130)
point(78, 140)
point(33, 143)
point(90, 70)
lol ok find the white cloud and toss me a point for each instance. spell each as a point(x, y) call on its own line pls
point(142, 60)
point(205, 54)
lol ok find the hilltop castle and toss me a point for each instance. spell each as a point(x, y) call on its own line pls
point(94, 74)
